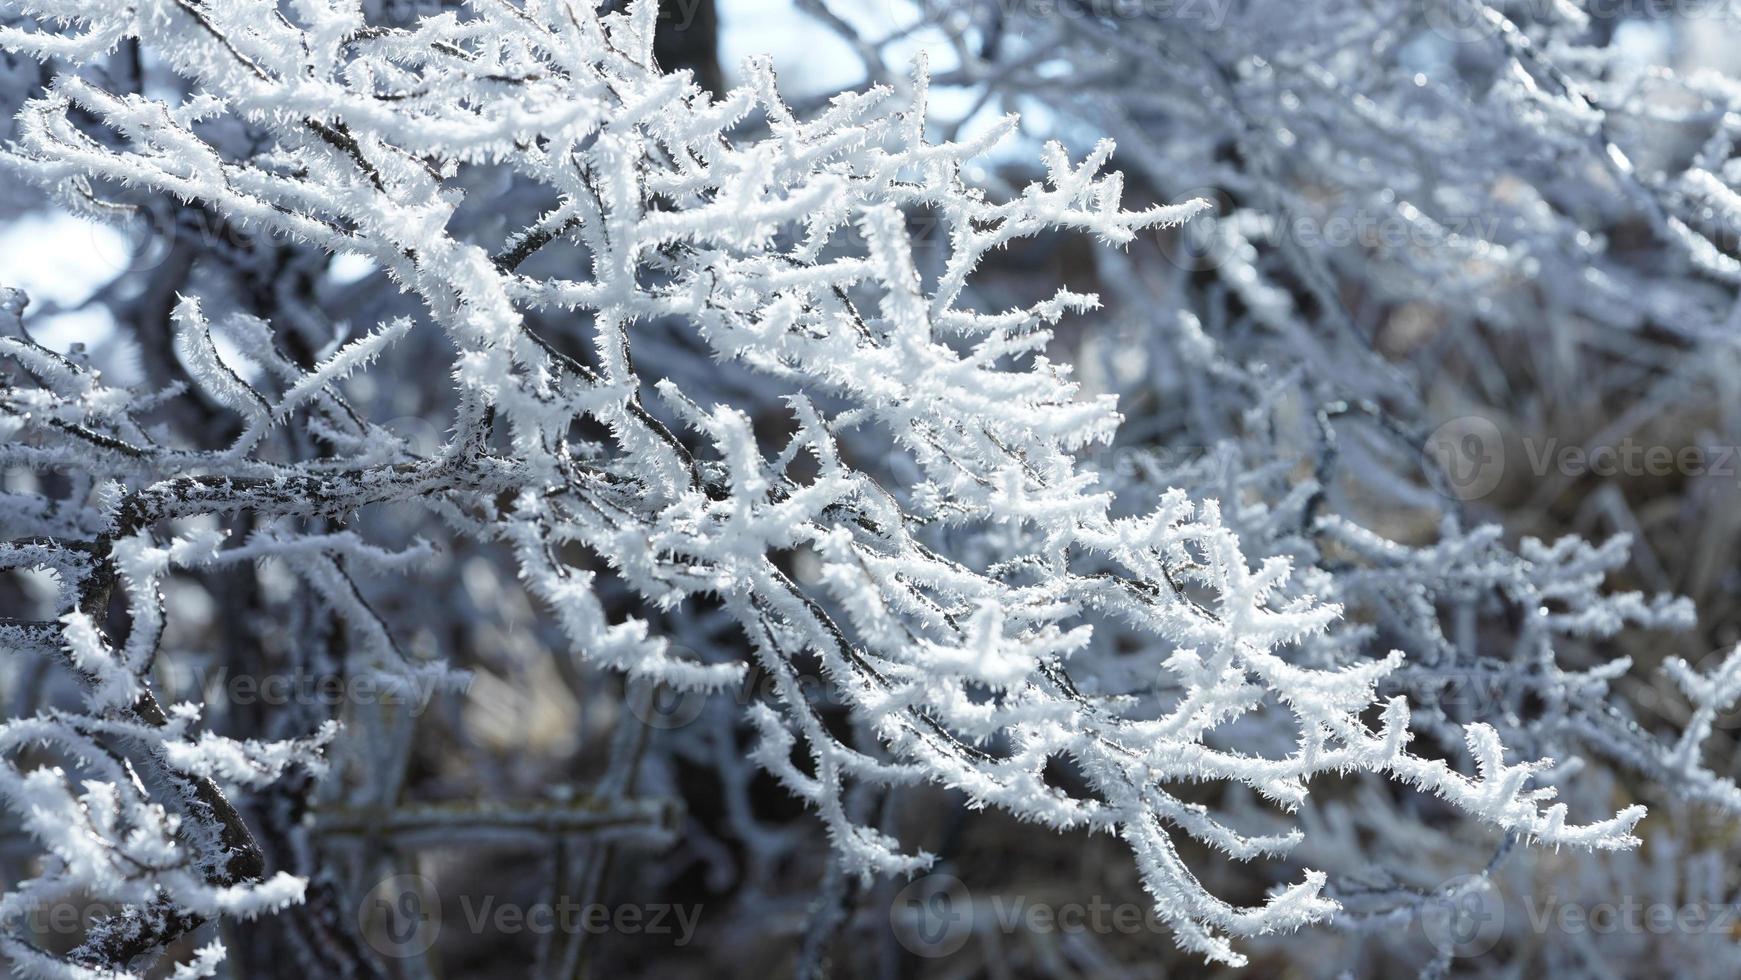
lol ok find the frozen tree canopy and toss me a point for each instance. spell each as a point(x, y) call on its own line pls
point(694, 488)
